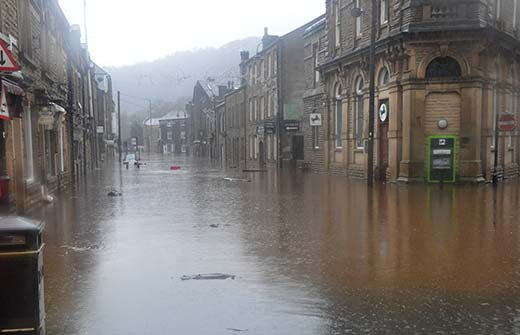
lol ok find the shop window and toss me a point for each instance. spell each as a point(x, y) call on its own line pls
point(443, 67)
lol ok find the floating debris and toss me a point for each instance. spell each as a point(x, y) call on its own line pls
point(214, 225)
point(243, 180)
point(209, 276)
point(237, 330)
point(175, 168)
point(114, 194)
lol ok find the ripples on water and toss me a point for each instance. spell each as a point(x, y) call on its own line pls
point(312, 255)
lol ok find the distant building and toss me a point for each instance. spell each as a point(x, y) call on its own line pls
point(275, 85)
point(235, 135)
point(152, 136)
point(206, 96)
point(174, 133)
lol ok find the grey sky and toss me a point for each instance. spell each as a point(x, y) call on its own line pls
point(124, 32)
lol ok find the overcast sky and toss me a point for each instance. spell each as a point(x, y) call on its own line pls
point(123, 32)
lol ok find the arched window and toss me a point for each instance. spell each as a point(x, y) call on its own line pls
point(384, 77)
point(360, 115)
point(443, 67)
point(338, 106)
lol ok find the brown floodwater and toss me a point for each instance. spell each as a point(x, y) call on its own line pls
point(311, 255)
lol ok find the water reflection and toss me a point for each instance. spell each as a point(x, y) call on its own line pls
point(313, 255)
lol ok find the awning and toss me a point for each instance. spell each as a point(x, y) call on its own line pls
point(12, 88)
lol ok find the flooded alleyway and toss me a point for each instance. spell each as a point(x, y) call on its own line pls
point(310, 255)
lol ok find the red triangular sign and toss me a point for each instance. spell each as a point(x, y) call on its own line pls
point(4, 109)
point(7, 62)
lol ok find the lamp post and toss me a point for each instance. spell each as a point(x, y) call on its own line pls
point(357, 12)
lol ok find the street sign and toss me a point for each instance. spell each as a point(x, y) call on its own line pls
point(383, 112)
point(506, 122)
point(315, 120)
point(4, 109)
point(7, 62)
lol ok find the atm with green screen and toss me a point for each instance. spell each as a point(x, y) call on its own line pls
point(442, 159)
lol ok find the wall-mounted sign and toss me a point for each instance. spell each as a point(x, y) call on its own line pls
point(506, 122)
point(292, 126)
point(100, 129)
point(315, 120)
point(383, 111)
point(270, 128)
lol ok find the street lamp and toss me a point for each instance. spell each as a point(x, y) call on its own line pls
point(357, 12)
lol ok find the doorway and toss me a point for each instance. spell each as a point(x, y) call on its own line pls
point(261, 152)
point(298, 148)
point(383, 142)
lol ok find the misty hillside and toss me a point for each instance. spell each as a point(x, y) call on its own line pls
point(171, 79)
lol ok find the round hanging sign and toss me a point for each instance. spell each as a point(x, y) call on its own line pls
point(383, 112)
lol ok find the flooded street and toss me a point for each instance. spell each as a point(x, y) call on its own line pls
point(311, 255)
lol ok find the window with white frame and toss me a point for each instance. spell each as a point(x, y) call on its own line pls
point(383, 12)
point(268, 103)
point(358, 21)
point(337, 23)
point(338, 106)
point(262, 108)
point(268, 67)
point(515, 14)
point(360, 113)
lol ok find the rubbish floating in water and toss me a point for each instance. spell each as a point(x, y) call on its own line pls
point(237, 330)
point(214, 225)
point(238, 180)
point(114, 194)
point(209, 276)
point(175, 168)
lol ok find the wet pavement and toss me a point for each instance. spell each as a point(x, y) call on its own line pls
point(310, 255)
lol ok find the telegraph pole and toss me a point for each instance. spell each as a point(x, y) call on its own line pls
point(150, 131)
point(119, 124)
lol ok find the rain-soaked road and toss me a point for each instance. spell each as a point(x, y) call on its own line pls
point(311, 255)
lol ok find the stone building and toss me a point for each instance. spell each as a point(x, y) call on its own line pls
point(314, 98)
point(235, 131)
point(152, 136)
point(443, 68)
point(275, 84)
point(46, 106)
point(206, 96)
point(103, 116)
point(173, 132)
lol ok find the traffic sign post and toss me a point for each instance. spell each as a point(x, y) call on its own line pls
point(7, 62)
